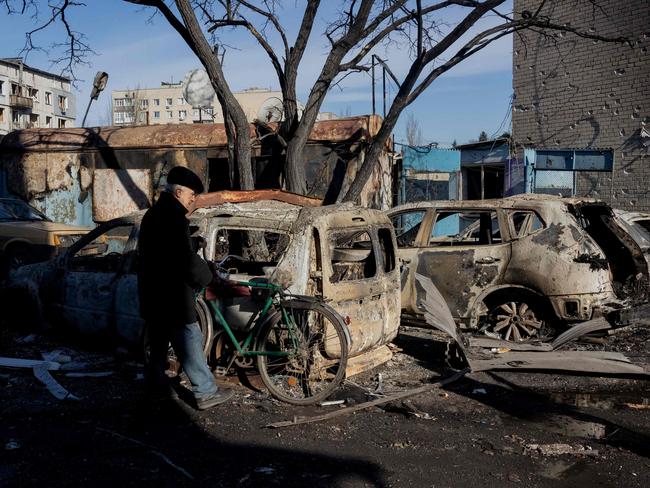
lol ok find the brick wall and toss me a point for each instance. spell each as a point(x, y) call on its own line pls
point(572, 92)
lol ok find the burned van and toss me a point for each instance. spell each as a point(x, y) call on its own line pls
point(517, 267)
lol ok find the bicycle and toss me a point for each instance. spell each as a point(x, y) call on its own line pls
point(300, 343)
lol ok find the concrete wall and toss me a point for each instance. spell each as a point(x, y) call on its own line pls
point(579, 93)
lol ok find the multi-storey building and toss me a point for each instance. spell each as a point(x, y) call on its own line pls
point(166, 105)
point(581, 113)
point(31, 97)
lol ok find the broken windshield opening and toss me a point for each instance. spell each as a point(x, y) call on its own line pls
point(625, 258)
point(249, 251)
point(352, 255)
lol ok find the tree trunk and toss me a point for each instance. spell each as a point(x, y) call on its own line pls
point(230, 106)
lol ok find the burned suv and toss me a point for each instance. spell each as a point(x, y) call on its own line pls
point(342, 253)
point(518, 266)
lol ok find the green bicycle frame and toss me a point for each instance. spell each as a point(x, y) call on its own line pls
point(243, 348)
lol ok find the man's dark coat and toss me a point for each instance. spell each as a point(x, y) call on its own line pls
point(168, 269)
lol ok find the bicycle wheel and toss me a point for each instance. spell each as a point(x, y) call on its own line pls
point(302, 360)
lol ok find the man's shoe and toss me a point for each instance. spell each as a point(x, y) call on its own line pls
point(220, 396)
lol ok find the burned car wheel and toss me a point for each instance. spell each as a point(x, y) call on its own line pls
point(173, 367)
point(518, 320)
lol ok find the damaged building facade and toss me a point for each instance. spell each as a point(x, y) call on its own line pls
point(86, 176)
point(581, 113)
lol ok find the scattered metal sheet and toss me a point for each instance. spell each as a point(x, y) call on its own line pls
point(43, 375)
point(580, 330)
point(490, 343)
point(598, 362)
point(28, 363)
point(118, 192)
point(436, 311)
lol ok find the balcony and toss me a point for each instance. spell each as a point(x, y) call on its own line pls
point(16, 101)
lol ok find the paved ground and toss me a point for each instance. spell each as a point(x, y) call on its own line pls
point(490, 429)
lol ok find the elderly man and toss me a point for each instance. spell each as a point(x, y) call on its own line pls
point(169, 272)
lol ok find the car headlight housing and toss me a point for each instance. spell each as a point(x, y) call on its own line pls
point(66, 240)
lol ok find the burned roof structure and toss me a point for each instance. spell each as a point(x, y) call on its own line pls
point(86, 175)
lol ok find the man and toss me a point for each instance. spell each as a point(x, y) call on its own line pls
point(169, 272)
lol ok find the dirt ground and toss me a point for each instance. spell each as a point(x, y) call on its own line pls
point(492, 429)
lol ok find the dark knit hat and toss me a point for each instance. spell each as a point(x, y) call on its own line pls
point(180, 175)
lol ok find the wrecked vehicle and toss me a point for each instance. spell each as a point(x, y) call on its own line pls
point(27, 235)
point(342, 253)
point(518, 267)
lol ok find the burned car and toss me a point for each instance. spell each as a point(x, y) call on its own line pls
point(342, 253)
point(521, 266)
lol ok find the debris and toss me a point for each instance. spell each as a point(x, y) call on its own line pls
point(57, 356)
point(559, 449)
point(602, 362)
point(43, 375)
point(331, 402)
point(12, 444)
point(373, 403)
point(27, 339)
point(498, 345)
point(151, 448)
point(579, 330)
point(28, 363)
point(514, 478)
point(637, 406)
point(89, 374)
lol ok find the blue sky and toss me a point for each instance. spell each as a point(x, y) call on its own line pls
point(138, 51)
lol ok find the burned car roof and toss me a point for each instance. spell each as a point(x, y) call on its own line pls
point(525, 200)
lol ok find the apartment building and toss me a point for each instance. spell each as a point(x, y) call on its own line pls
point(166, 105)
point(30, 97)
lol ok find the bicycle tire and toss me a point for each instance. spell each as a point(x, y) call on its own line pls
point(317, 366)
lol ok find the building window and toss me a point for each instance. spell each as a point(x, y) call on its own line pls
point(48, 121)
point(63, 103)
point(169, 101)
point(144, 103)
point(182, 114)
point(2, 115)
point(16, 90)
point(555, 172)
point(156, 102)
point(208, 110)
point(156, 115)
point(33, 120)
point(62, 123)
point(48, 98)
point(195, 112)
point(143, 117)
point(2, 87)
point(33, 93)
point(118, 102)
point(170, 114)
point(180, 101)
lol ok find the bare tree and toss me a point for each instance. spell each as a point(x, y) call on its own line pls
point(413, 131)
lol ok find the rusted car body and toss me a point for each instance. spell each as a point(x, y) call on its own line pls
point(342, 253)
point(513, 266)
point(637, 224)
